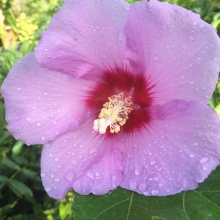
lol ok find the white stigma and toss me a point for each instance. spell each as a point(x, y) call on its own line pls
point(114, 114)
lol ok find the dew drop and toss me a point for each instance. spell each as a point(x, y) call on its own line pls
point(90, 175)
point(74, 162)
point(132, 185)
point(191, 38)
point(114, 179)
point(203, 160)
point(191, 82)
point(52, 175)
point(56, 159)
point(92, 150)
point(191, 155)
point(50, 155)
point(43, 138)
point(137, 172)
point(160, 185)
point(18, 88)
point(43, 175)
point(54, 122)
point(154, 192)
point(204, 168)
point(38, 124)
point(48, 189)
point(57, 180)
point(152, 162)
point(142, 187)
point(156, 178)
point(47, 145)
point(28, 119)
point(69, 176)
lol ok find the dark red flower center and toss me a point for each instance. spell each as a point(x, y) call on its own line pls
point(121, 82)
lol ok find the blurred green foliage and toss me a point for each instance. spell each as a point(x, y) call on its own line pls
point(22, 196)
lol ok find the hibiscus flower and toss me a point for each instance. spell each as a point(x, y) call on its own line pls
point(118, 94)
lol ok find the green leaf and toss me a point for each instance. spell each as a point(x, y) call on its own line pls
point(120, 204)
point(3, 178)
point(65, 210)
point(217, 109)
point(20, 189)
point(10, 164)
point(29, 173)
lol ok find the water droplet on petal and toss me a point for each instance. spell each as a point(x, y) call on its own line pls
point(146, 193)
point(133, 185)
point(28, 119)
point(160, 185)
point(43, 138)
point(38, 124)
point(191, 155)
point(152, 162)
point(92, 150)
point(74, 162)
point(142, 187)
point(52, 175)
point(137, 172)
point(90, 175)
point(48, 189)
point(69, 176)
point(191, 37)
point(18, 88)
point(43, 174)
point(50, 155)
point(203, 160)
point(57, 180)
point(154, 192)
point(114, 179)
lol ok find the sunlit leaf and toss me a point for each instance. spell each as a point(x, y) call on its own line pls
point(120, 204)
point(65, 210)
point(17, 148)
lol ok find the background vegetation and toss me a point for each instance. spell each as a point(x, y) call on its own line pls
point(22, 196)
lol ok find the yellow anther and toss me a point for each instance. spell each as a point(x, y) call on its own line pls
point(113, 114)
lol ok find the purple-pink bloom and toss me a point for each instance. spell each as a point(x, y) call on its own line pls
point(152, 65)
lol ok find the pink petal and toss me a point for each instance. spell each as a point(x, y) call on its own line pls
point(178, 51)
point(42, 104)
point(84, 36)
point(175, 152)
point(82, 160)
